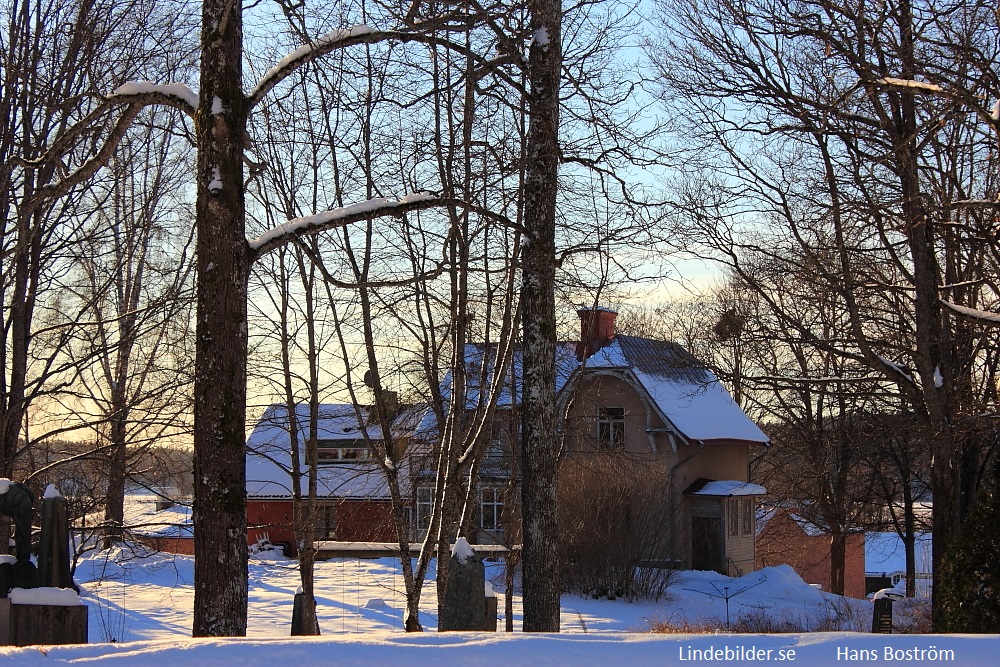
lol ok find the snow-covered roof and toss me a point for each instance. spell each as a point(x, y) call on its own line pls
point(885, 553)
point(684, 391)
point(142, 517)
point(269, 454)
point(730, 487)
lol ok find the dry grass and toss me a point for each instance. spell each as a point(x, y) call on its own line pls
point(840, 616)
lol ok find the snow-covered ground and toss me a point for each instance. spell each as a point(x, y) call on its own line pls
point(144, 603)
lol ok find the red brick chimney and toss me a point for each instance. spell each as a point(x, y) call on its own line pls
point(597, 329)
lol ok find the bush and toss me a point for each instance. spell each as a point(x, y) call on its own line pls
point(614, 528)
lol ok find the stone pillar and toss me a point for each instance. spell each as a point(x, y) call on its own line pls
point(464, 602)
point(882, 616)
point(53, 552)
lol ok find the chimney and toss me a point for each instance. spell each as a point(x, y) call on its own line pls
point(597, 329)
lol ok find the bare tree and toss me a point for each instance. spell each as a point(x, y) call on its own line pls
point(835, 127)
point(539, 445)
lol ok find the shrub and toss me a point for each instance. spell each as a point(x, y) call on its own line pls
point(614, 528)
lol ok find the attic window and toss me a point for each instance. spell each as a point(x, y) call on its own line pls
point(341, 451)
point(611, 428)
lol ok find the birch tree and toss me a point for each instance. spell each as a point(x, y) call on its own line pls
point(539, 445)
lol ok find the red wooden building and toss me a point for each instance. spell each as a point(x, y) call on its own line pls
point(352, 493)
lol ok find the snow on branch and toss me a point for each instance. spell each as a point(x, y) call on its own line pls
point(991, 116)
point(361, 34)
point(177, 95)
point(981, 316)
point(339, 217)
point(90, 167)
point(910, 83)
point(902, 370)
point(304, 54)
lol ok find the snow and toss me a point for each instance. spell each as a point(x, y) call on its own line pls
point(269, 458)
point(909, 83)
point(984, 315)
point(701, 412)
point(51, 492)
point(685, 392)
point(306, 223)
point(462, 550)
point(215, 185)
point(143, 519)
point(4, 485)
point(216, 105)
point(274, 75)
point(938, 378)
point(902, 370)
point(178, 90)
point(541, 36)
point(57, 597)
point(884, 553)
point(144, 601)
point(731, 487)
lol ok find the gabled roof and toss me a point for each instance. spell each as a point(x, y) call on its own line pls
point(682, 389)
point(269, 459)
point(686, 391)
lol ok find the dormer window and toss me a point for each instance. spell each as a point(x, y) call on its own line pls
point(611, 429)
point(341, 451)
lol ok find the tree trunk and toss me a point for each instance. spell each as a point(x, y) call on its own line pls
point(931, 343)
point(220, 605)
point(838, 561)
point(541, 580)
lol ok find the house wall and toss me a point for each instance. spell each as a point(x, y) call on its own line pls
point(783, 542)
point(605, 391)
point(357, 521)
point(714, 462)
point(652, 458)
point(171, 545)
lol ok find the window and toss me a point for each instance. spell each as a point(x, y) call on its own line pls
point(325, 527)
point(425, 507)
point(491, 508)
point(733, 515)
point(611, 428)
point(748, 515)
point(495, 456)
point(341, 451)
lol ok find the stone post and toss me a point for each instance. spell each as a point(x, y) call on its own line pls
point(53, 552)
point(464, 602)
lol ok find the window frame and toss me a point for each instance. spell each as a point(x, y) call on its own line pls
point(337, 452)
point(325, 524)
point(494, 504)
point(423, 507)
point(611, 428)
point(733, 517)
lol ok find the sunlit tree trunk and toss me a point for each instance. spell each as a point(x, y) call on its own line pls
point(220, 605)
point(541, 582)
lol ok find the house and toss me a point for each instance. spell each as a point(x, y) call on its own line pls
point(354, 501)
point(885, 561)
point(786, 537)
point(651, 441)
